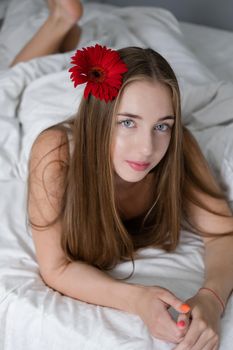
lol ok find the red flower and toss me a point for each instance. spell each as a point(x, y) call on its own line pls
point(101, 68)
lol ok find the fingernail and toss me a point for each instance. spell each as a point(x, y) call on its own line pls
point(181, 324)
point(185, 308)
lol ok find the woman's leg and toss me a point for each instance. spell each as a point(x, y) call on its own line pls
point(59, 33)
point(71, 39)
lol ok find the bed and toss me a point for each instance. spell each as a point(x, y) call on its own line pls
point(38, 94)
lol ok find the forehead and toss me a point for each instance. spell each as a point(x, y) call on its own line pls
point(146, 95)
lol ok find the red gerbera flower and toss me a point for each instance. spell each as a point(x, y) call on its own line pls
point(101, 69)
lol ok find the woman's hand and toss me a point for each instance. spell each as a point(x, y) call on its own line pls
point(152, 306)
point(203, 329)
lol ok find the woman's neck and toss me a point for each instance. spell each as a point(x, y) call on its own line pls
point(126, 189)
point(133, 199)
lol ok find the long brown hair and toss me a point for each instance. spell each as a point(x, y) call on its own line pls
point(93, 230)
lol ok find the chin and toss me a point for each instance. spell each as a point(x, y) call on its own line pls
point(131, 178)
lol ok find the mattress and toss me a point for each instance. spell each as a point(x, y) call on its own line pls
point(32, 315)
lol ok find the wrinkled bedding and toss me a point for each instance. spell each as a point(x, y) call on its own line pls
point(38, 94)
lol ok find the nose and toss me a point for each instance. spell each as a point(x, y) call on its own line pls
point(145, 144)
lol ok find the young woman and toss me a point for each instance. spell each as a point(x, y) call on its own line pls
point(123, 174)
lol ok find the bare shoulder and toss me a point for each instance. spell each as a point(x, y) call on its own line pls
point(46, 186)
point(51, 143)
point(205, 219)
point(48, 166)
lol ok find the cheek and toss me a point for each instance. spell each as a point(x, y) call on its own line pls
point(161, 145)
point(120, 146)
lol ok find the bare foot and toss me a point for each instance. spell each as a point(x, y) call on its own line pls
point(70, 10)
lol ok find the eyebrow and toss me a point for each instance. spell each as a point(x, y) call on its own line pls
point(138, 116)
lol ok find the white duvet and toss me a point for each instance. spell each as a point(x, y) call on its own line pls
point(39, 93)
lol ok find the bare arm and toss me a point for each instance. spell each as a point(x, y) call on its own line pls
point(218, 249)
point(75, 279)
point(203, 323)
point(219, 266)
point(78, 279)
point(87, 283)
point(207, 308)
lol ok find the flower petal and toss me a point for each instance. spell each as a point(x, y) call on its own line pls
point(98, 59)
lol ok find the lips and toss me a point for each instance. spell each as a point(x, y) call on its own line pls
point(139, 166)
point(139, 163)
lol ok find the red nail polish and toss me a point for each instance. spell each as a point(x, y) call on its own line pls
point(181, 324)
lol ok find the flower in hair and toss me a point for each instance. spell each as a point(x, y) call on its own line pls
point(101, 68)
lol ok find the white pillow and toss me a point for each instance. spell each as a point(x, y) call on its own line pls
point(150, 26)
point(118, 27)
point(22, 20)
point(3, 7)
point(157, 28)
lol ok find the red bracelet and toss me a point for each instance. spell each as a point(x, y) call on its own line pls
point(217, 296)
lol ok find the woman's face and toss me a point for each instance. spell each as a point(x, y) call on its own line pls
point(144, 121)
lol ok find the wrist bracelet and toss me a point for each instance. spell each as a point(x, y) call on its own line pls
point(216, 295)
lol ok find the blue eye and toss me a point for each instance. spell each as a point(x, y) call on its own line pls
point(126, 123)
point(165, 127)
point(129, 124)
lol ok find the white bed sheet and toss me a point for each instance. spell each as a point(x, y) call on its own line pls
point(213, 47)
point(33, 316)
